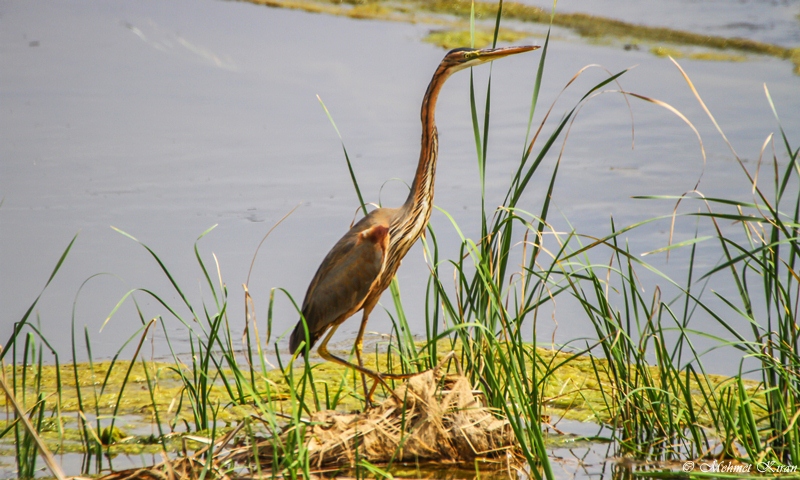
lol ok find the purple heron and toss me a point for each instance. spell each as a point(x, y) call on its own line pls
point(363, 262)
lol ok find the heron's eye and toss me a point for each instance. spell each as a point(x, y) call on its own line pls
point(470, 55)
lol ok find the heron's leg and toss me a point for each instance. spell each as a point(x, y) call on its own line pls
point(324, 353)
point(384, 376)
point(358, 347)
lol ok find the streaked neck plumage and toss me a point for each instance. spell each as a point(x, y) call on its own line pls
point(422, 186)
point(413, 216)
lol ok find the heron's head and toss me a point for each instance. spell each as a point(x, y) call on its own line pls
point(461, 58)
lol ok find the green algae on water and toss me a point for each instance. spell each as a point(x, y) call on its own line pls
point(577, 389)
point(454, 16)
point(712, 56)
point(450, 39)
point(573, 390)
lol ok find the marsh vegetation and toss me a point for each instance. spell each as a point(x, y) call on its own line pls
point(222, 400)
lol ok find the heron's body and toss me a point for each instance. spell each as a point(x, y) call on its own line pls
point(360, 267)
point(350, 277)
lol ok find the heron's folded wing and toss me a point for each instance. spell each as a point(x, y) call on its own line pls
point(342, 282)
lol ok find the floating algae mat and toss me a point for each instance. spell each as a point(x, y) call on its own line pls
point(451, 20)
point(449, 420)
point(572, 390)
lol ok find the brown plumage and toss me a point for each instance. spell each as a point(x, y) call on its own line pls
point(338, 290)
point(363, 262)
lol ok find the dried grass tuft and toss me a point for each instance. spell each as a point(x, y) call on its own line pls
point(447, 424)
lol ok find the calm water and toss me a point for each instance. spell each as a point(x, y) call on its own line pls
point(771, 21)
point(163, 118)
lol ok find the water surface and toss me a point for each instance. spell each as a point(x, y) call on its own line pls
point(165, 118)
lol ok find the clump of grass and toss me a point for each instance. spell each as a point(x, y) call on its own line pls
point(767, 251)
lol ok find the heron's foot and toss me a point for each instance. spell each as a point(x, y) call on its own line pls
point(436, 369)
point(369, 403)
point(380, 378)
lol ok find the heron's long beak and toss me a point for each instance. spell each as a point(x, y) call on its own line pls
point(488, 54)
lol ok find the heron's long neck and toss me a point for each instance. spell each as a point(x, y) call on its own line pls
point(417, 209)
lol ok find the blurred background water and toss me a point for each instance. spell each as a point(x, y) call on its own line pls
point(770, 21)
point(164, 118)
